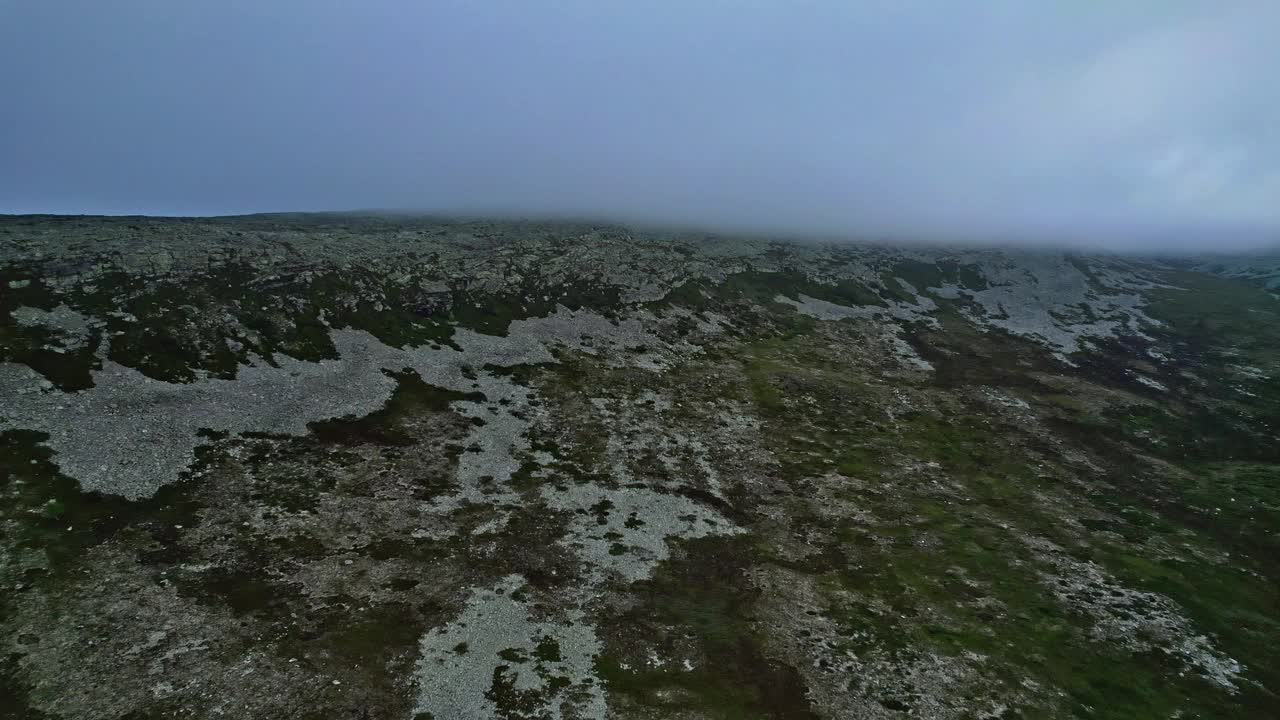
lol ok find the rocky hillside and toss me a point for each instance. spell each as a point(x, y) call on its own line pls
point(373, 467)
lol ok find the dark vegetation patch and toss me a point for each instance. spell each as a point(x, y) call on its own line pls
point(372, 647)
point(1205, 425)
point(492, 313)
point(170, 330)
point(1208, 315)
point(925, 275)
point(701, 594)
point(527, 545)
point(964, 355)
point(46, 511)
point(174, 330)
point(387, 425)
point(15, 691)
point(750, 297)
point(33, 345)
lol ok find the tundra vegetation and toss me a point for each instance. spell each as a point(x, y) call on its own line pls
point(386, 467)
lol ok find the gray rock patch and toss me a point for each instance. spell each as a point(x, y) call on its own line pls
point(496, 648)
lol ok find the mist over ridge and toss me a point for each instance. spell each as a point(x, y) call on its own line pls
point(1143, 125)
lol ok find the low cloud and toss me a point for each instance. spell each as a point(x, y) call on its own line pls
point(1145, 122)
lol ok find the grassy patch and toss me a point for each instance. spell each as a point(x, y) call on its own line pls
point(941, 567)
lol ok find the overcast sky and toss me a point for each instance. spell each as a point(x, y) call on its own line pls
point(1124, 118)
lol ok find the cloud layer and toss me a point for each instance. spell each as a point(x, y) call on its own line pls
point(1135, 122)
